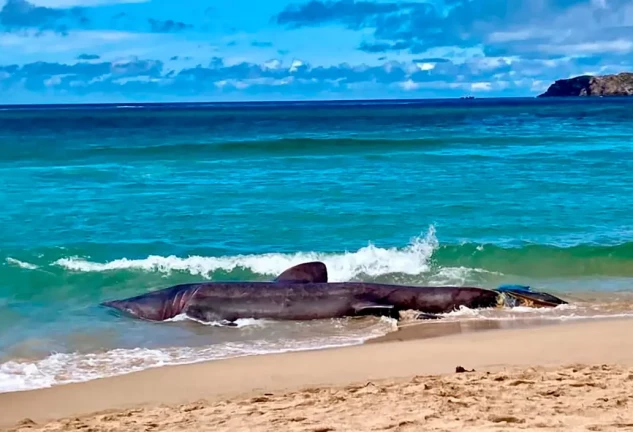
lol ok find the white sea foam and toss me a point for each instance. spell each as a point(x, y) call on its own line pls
point(63, 368)
point(239, 323)
point(372, 261)
point(21, 264)
point(564, 312)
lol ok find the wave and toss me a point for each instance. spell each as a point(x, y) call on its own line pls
point(74, 283)
point(369, 261)
point(318, 145)
point(21, 264)
point(423, 256)
point(21, 374)
point(232, 148)
point(423, 260)
point(539, 260)
point(64, 368)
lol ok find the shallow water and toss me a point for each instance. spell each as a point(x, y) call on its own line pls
point(101, 203)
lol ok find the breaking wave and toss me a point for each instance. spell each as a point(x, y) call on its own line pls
point(369, 261)
point(75, 281)
point(423, 255)
point(423, 260)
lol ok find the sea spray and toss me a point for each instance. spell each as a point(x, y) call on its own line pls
point(369, 261)
point(21, 264)
point(449, 263)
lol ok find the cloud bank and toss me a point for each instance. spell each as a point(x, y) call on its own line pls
point(74, 49)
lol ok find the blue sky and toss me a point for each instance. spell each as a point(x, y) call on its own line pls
point(67, 51)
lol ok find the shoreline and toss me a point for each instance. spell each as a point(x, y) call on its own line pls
point(404, 330)
point(398, 356)
point(421, 330)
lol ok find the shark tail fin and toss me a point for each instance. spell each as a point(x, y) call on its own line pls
point(522, 295)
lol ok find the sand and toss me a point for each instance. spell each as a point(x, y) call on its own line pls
point(576, 376)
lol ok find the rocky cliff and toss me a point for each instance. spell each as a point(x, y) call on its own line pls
point(587, 85)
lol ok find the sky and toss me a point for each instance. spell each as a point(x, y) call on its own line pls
point(90, 51)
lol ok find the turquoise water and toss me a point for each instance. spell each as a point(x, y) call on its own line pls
point(104, 202)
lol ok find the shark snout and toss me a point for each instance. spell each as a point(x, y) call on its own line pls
point(126, 307)
point(152, 309)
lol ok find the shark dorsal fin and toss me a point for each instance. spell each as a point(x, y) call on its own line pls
point(310, 272)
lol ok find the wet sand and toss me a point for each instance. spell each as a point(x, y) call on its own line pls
point(575, 376)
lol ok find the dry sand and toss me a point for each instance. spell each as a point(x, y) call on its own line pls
point(566, 377)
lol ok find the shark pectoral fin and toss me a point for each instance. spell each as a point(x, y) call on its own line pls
point(227, 323)
point(371, 308)
point(310, 272)
point(198, 313)
point(363, 305)
point(426, 316)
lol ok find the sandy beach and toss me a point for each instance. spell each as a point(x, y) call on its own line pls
point(572, 376)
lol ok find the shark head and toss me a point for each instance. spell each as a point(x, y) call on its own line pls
point(144, 309)
point(157, 305)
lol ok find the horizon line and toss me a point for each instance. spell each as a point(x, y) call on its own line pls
point(468, 98)
point(278, 101)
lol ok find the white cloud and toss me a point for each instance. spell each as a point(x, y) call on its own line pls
point(617, 46)
point(512, 36)
point(296, 64)
point(481, 86)
point(54, 80)
point(425, 66)
point(409, 85)
point(238, 84)
point(17, 44)
point(144, 79)
point(539, 86)
point(51, 41)
point(272, 64)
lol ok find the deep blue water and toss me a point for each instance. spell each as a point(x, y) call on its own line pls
point(105, 201)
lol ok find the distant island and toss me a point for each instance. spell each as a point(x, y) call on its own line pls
point(587, 85)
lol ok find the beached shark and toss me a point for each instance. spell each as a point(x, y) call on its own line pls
point(303, 293)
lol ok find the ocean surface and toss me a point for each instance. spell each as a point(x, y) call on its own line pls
point(102, 202)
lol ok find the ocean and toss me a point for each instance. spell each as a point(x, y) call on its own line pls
point(101, 202)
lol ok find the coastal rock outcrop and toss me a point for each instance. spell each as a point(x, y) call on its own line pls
point(587, 85)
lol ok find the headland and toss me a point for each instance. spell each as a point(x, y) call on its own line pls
point(587, 85)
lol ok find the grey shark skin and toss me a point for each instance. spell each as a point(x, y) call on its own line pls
point(303, 293)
